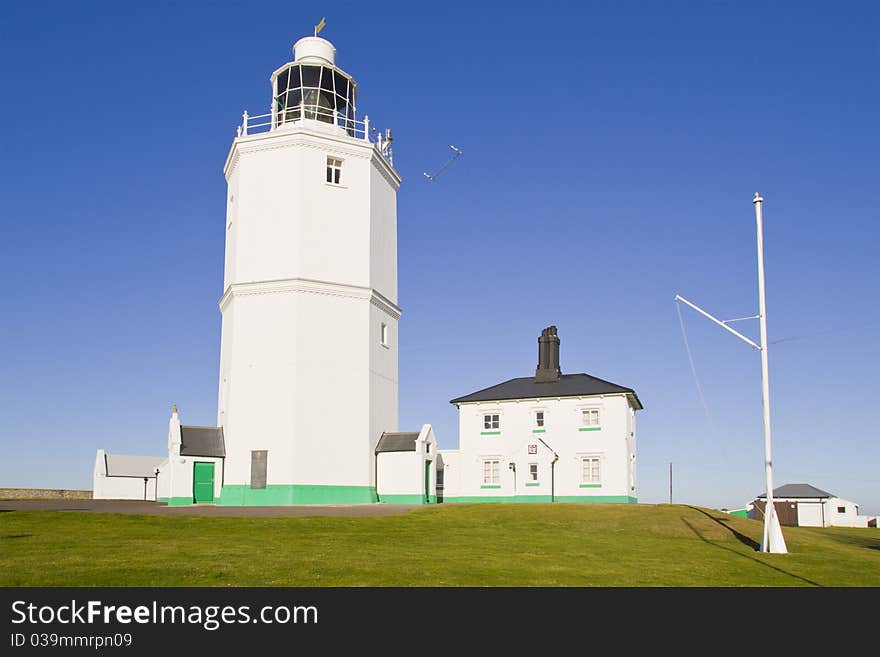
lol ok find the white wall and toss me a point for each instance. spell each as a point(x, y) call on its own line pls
point(403, 473)
point(383, 228)
point(850, 516)
point(288, 222)
point(176, 476)
point(311, 273)
point(163, 484)
point(106, 487)
point(449, 460)
point(562, 423)
point(123, 488)
point(383, 385)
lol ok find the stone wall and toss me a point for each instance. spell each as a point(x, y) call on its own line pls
point(44, 494)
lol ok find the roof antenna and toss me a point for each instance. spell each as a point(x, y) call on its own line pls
point(452, 159)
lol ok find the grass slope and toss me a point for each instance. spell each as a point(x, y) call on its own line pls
point(453, 545)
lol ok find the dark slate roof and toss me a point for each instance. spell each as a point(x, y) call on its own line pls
point(202, 441)
point(397, 442)
point(568, 385)
point(797, 490)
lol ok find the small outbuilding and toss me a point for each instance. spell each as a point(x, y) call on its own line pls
point(406, 467)
point(192, 473)
point(125, 477)
point(803, 505)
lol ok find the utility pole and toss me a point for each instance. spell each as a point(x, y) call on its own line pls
point(772, 539)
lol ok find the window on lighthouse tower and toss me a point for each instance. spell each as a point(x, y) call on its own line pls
point(334, 171)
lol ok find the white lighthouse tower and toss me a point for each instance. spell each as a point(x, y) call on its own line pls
point(308, 358)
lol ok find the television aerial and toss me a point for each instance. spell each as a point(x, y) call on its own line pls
point(452, 159)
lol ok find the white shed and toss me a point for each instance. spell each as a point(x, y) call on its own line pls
point(124, 477)
point(193, 471)
point(406, 467)
point(803, 505)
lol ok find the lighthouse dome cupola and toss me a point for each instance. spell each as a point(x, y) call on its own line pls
point(314, 49)
point(312, 88)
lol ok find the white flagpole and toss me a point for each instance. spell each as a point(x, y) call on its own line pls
point(773, 540)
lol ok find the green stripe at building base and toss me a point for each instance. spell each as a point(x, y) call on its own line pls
point(565, 499)
point(176, 501)
point(285, 495)
point(290, 494)
point(597, 499)
point(407, 499)
point(516, 499)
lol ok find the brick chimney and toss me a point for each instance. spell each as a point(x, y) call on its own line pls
point(548, 356)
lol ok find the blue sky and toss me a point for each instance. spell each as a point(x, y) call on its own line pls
point(611, 152)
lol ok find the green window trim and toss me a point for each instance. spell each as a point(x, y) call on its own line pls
point(590, 486)
point(590, 429)
point(539, 431)
point(490, 433)
point(533, 483)
point(491, 486)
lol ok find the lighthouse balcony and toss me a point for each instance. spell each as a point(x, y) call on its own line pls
point(316, 118)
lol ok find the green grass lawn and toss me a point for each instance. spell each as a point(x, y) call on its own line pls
point(452, 545)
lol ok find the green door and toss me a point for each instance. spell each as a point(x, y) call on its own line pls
point(427, 482)
point(203, 482)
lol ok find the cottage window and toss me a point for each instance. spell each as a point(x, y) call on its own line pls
point(590, 471)
point(539, 419)
point(491, 421)
point(533, 472)
point(590, 419)
point(491, 470)
point(841, 509)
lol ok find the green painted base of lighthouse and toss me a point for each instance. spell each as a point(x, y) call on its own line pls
point(292, 494)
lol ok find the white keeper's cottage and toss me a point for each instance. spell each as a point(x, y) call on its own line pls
point(550, 437)
point(308, 382)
